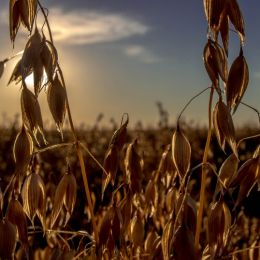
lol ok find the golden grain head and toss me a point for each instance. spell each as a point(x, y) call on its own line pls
point(22, 150)
point(237, 83)
point(31, 113)
point(181, 152)
point(224, 127)
point(8, 236)
point(34, 197)
point(14, 18)
point(219, 223)
point(16, 215)
point(236, 18)
point(56, 97)
point(65, 195)
point(17, 73)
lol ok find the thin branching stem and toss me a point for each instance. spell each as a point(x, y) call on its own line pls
point(247, 138)
point(52, 147)
point(204, 172)
point(78, 147)
point(201, 92)
point(254, 109)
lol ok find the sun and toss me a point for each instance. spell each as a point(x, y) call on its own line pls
point(29, 80)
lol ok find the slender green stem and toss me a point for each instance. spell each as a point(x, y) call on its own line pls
point(78, 147)
point(204, 173)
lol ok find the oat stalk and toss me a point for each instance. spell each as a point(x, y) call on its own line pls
point(78, 147)
point(204, 172)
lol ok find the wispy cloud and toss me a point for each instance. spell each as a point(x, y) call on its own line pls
point(141, 53)
point(88, 27)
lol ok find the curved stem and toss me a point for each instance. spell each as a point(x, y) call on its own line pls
point(204, 173)
point(79, 151)
point(246, 105)
point(201, 92)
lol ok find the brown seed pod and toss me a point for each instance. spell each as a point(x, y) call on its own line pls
point(31, 112)
point(16, 216)
point(49, 58)
point(215, 62)
point(181, 152)
point(227, 172)
point(137, 230)
point(111, 163)
point(8, 236)
point(236, 18)
point(219, 223)
point(246, 178)
point(34, 197)
point(22, 150)
point(31, 60)
point(224, 127)
point(237, 81)
point(134, 167)
point(14, 18)
point(56, 97)
point(65, 194)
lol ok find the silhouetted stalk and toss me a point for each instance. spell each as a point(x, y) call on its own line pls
point(79, 151)
point(204, 172)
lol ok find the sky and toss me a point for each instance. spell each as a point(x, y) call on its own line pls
point(124, 56)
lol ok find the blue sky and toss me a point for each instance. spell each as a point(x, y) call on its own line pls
point(123, 56)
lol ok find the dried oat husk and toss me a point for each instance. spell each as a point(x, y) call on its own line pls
point(27, 12)
point(214, 10)
point(49, 58)
point(183, 244)
point(22, 150)
point(17, 73)
point(111, 164)
point(224, 32)
point(151, 242)
point(224, 127)
point(31, 113)
point(215, 62)
point(237, 82)
point(14, 18)
point(246, 178)
point(16, 215)
point(31, 60)
point(219, 223)
point(227, 172)
point(181, 152)
point(171, 198)
point(34, 197)
point(8, 235)
point(65, 194)
point(134, 167)
point(56, 96)
point(236, 18)
point(137, 230)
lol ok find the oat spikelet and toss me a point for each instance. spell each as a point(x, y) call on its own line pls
point(31, 112)
point(34, 197)
point(22, 150)
point(56, 97)
point(65, 195)
point(14, 18)
point(7, 239)
point(224, 127)
point(16, 216)
point(236, 18)
point(137, 230)
point(219, 223)
point(181, 152)
point(238, 79)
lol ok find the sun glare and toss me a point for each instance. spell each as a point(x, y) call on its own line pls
point(29, 80)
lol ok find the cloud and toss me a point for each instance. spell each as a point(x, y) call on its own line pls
point(88, 27)
point(141, 53)
point(257, 75)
